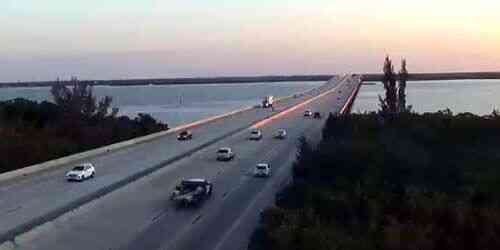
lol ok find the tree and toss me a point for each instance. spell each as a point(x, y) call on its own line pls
point(304, 159)
point(395, 94)
point(403, 77)
point(80, 102)
point(389, 103)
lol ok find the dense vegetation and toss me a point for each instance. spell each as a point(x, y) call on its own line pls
point(416, 182)
point(34, 132)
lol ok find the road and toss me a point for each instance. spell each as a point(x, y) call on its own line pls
point(140, 216)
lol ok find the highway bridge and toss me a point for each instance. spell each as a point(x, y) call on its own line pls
point(127, 206)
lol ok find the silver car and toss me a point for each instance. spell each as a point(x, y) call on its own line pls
point(225, 154)
point(81, 172)
point(255, 135)
point(280, 134)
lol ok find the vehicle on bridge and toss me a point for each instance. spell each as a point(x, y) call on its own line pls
point(192, 191)
point(280, 134)
point(308, 113)
point(262, 170)
point(185, 135)
point(317, 115)
point(255, 134)
point(268, 101)
point(225, 154)
point(81, 172)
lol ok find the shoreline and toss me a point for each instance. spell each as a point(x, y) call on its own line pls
point(440, 76)
point(176, 81)
point(256, 79)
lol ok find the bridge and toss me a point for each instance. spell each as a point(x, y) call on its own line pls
point(126, 206)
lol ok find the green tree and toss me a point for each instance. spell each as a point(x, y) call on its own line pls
point(395, 88)
point(80, 102)
point(389, 104)
point(403, 77)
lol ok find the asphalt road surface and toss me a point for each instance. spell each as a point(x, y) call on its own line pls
point(140, 214)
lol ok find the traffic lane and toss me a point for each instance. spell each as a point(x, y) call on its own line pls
point(143, 206)
point(244, 200)
point(38, 194)
point(177, 229)
point(217, 226)
point(207, 232)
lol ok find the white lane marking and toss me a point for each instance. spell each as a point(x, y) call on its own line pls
point(198, 218)
point(13, 209)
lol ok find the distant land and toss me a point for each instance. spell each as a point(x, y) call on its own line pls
point(440, 76)
point(254, 79)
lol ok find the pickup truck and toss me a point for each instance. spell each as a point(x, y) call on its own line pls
point(192, 192)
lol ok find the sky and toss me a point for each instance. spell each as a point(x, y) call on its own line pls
point(115, 39)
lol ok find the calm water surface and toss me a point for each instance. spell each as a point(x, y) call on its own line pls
point(178, 104)
point(475, 96)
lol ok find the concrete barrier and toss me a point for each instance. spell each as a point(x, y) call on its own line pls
point(347, 106)
point(113, 147)
point(33, 169)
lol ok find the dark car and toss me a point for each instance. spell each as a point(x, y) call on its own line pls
point(185, 135)
point(192, 191)
point(317, 115)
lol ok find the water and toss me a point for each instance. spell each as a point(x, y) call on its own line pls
point(177, 104)
point(475, 96)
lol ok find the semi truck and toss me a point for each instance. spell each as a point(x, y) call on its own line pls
point(268, 101)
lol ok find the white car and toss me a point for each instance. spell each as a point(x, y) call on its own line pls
point(308, 113)
point(262, 170)
point(81, 172)
point(225, 154)
point(255, 135)
point(280, 134)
